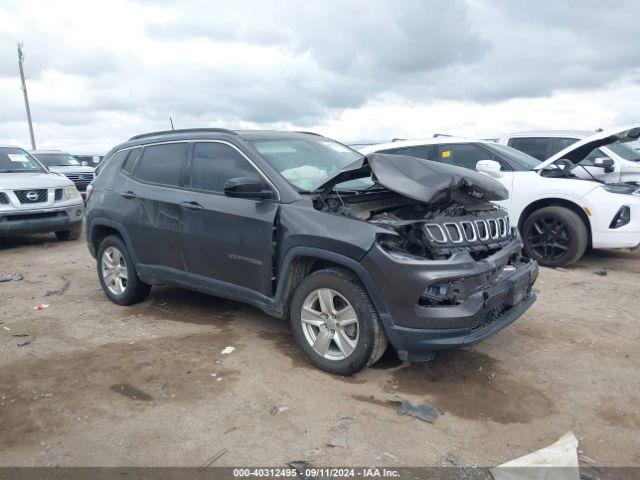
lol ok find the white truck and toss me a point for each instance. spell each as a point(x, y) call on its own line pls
point(34, 200)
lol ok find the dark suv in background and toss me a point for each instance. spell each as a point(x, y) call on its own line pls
point(355, 251)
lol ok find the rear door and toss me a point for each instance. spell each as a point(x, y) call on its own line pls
point(227, 242)
point(151, 211)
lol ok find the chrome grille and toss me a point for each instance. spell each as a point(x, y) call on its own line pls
point(469, 231)
point(38, 195)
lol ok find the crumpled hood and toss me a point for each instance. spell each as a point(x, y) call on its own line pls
point(579, 150)
point(422, 180)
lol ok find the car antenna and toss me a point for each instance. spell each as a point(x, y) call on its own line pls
point(171, 122)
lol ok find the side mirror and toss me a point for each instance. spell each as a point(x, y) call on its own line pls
point(490, 167)
point(247, 187)
point(604, 162)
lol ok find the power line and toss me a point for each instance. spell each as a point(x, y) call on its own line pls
point(26, 96)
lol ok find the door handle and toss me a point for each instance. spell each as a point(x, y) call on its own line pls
point(128, 195)
point(193, 206)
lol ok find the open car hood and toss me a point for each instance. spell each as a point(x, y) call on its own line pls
point(422, 180)
point(579, 150)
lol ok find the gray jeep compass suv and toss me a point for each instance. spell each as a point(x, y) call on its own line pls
point(357, 252)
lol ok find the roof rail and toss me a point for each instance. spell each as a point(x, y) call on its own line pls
point(436, 135)
point(182, 130)
point(310, 133)
point(398, 139)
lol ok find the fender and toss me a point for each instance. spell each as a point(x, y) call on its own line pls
point(105, 222)
point(353, 265)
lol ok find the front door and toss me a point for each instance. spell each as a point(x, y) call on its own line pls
point(227, 242)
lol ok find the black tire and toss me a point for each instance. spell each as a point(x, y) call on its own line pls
point(135, 290)
point(67, 235)
point(371, 341)
point(554, 236)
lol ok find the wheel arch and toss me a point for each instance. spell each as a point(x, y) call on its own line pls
point(300, 262)
point(99, 229)
point(556, 202)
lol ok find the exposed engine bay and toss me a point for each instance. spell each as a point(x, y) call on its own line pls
point(428, 231)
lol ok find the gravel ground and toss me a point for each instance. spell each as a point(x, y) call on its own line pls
point(88, 383)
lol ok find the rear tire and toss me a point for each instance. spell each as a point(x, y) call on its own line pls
point(117, 274)
point(67, 235)
point(347, 329)
point(554, 236)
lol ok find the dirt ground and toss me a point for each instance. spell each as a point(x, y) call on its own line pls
point(89, 383)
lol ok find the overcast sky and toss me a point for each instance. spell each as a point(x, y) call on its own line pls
point(100, 72)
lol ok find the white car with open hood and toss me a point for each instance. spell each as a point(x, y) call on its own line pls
point(558, 213)
point(34, 200)
point(616, 162)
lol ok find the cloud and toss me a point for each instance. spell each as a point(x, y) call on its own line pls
point(99, 72)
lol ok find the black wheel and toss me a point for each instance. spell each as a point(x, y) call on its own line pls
point(117, 274)
point(73, 234)
point(335, 322)
point(554, 236)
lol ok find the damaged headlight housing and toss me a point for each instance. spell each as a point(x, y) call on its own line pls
point(456, 291)
point(70, 192)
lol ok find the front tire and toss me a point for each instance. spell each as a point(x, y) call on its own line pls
point(554, 236)
point(117, 274)
point(335, 322)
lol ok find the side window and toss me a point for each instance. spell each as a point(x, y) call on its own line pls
point(462, 155)
point(534, 146)
point(110, 166)
point(420, 151)
point(129, 163)
point(162, 164)
point(215, 163)
point(561, 144)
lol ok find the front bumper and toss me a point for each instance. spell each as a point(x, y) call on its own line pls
point(415, 330)
point(43, 220)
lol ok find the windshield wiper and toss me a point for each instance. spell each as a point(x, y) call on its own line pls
point(14, 170)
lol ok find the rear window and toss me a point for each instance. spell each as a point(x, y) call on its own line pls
point(536, 147)
point(162, 164)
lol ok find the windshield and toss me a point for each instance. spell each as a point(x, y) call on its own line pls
point(625, 151)
point(306, 163)
point(57, 159)
point(525, 161)
point(16, 160)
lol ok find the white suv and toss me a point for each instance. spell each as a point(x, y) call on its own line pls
point(34, 200)
point(558, 214)
point(617, 162)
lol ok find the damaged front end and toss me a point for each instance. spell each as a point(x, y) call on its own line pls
point(450, 267)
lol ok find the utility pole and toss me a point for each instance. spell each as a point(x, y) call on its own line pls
point(26, 97)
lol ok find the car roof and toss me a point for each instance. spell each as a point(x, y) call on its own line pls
point(212, 134)
point(552, 133)
point(413, 143)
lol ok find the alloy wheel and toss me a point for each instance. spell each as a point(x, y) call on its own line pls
point(549, 238)
point(114, 270)
point(330, 324)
